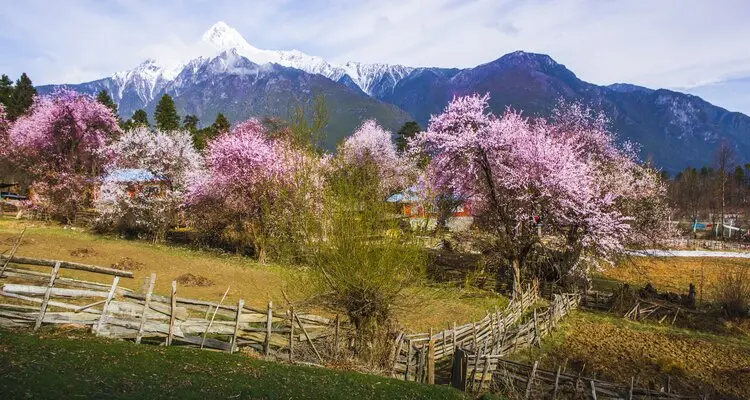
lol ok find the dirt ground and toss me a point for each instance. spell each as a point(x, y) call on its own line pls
point(425, 307)
point(615, 349)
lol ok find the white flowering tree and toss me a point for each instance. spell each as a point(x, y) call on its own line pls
point(144, 186)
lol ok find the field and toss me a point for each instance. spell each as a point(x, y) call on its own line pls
point(61, 365)
point(673, 274)
point(702, 353)
point(613, 348)
point(423, 307)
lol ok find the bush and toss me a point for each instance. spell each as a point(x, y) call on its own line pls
point(733, 292)
point(363, 271)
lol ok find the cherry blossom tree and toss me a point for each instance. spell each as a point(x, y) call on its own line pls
point(250, 190)
point(566, 173)
point(4, 127)
point(61, 146)
point(168, 159)
point(372, 145)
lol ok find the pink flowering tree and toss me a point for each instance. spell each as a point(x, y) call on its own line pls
point(149, 200)
point(371, 147)
point(250, 193)
point(60, 145)
point(534, 179)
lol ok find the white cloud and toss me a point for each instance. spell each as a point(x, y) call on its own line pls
point(666, 43)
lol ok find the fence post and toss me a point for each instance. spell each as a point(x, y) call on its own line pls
point(173, 301)
point(303, 331)
point(407, 374)
point(484, 373)
point(397, 351)
point(291, 335)
point(536, 331)
point(269, 321)
point(47, 293)
point(336, 337)
point(431, 360)
point(630, 392)
point(146, 305)
point(203, 341)
point(593, 390)
point(454, 337)
point(233, 345)
point(557, 383)
point(531, 380)
point(110, 295)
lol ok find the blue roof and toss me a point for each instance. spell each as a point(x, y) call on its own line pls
point(131, 175)
point(407, 196)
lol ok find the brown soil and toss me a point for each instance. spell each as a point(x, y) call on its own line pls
point(128, 264)
point(83, 252)
point(194, 280)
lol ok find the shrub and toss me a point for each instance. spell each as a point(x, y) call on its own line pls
point(732, 292)
point(363, 271)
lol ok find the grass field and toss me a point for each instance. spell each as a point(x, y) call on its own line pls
point(616, 349)
point(59, 365)
point(424, 307)
point(673, 274)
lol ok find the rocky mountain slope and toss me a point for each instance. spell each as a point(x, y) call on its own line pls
point(231, 76)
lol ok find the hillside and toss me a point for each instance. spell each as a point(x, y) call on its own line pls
point(70, 364)
point(673, 129)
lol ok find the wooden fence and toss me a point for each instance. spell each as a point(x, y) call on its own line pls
point(479, 361)
point(680, 243)
point(36, 298)
point(532, 382)
point(414, 355)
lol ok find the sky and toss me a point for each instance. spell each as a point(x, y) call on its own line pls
point(695, 46)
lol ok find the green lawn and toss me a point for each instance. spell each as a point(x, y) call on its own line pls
point(68, 364)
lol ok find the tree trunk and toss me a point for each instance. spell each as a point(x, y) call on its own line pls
point(517, 291)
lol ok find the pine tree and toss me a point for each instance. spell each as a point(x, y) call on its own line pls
point(22, 98)
point(104, 98)
point(221, 125)
point(407, 131)
point(140, 118)
point(6, 90)
point(165, 115)
point(190, 123)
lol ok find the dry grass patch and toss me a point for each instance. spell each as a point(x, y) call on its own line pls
point(247, 279)
point(616, 349)
point(675, 274)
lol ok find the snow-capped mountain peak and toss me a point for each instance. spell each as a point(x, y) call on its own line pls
point(224, 37)
point(149, 77)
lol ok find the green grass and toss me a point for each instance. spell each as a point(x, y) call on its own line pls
point(59, 364)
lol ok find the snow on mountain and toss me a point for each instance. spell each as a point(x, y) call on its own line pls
point(150, 77)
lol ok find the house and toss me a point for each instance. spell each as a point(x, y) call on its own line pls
point(136, 181)
point(413, 207)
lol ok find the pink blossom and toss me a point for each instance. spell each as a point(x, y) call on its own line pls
point(372, 143)
point(61, 145)
point(568, 170)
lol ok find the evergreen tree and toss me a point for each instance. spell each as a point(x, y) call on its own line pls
point(104, 98)
point(22, 98)
point(407, 131)
point(201, 137)
point(220, 125)
point(140, 117)
point(6, 90)
point(165, 115)
point(190, 123)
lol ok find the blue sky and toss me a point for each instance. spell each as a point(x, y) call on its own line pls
point(702, 47)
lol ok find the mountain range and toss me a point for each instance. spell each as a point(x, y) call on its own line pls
point(229, 75)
